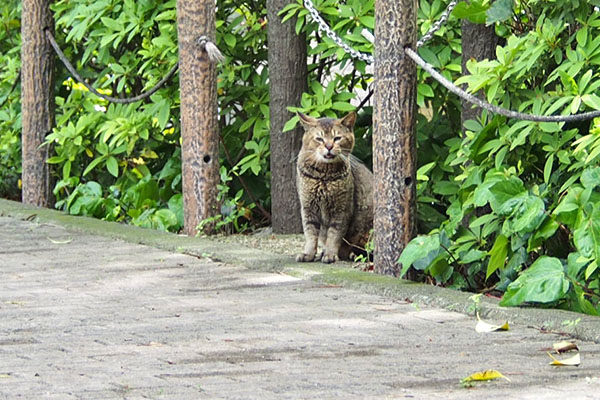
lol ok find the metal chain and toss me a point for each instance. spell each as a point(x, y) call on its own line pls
point(324, 28)
point(491, 107)
point(438, 24)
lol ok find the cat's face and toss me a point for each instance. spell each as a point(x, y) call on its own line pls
point(328, 140)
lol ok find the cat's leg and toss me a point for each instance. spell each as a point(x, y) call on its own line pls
point(335, 233)
point(322, 241)
point(311, 228)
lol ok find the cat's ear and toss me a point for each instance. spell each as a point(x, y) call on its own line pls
point(349, 120)
point(306, 120)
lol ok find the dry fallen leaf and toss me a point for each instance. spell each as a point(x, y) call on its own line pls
point(567, 362)
point(486, 375)
point(484, 327)
point(564, 346)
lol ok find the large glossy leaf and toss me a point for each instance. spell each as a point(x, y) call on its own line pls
point(420, 251)
point(543, 282)
point(527, 215)
point(506, 195)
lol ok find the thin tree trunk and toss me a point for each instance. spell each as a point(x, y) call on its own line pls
point(288, 80)
point(394, 143)
point(199, 129)
point(37, 100)
point(478, 42)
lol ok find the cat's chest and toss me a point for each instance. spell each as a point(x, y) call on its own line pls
point(325, 194)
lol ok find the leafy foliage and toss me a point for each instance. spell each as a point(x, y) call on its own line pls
point(521, 197)
point(123, 162)
point(508, 206)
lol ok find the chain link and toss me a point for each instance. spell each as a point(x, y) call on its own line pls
point(438, 24)
point(325, 29)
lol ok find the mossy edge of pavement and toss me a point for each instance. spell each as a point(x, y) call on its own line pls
point(581, 326)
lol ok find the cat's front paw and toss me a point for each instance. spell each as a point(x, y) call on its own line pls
point(329, 258)
point(303, 257)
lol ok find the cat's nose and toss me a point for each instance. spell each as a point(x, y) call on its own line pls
point(329, 146)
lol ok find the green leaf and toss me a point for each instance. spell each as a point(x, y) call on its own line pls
point(575, 264)
point(163, 114)
point(423, 170)
point(506, 194)
point(112, 24)
point(420, 248)
point(548, 168)
point(342, 106)
point(591, 100)
point(112, 166)
point(93, 165)
point(497, 255)
point(582, 36)
point(291, 124)
point(368, 21)
point(590, 178)
point(474, 12)
point(543, 282)
point(55, 160)
point(545, 231)
point(440, 269)
point(591, 269)
point(500, 11)
point(587, 235)
point(569, 83)
point(526, 217)
point(230, 40)
point(425, 90)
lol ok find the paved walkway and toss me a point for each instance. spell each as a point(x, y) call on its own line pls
point(86, 317)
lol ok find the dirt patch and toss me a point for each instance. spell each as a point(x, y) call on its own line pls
point(264, 239)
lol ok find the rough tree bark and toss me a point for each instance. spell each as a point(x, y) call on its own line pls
point(478, 42)
point(37, 100)
point(199, 129)
point(288, 80)
point(394, 143)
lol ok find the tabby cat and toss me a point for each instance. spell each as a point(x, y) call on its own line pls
point(335, 190)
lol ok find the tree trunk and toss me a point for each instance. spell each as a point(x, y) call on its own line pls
point(37, 100)
point(394, 143)
point(478, 42)
point(288, 80)
point(199, 129)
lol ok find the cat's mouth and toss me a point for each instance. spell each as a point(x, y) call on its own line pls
point(329, 156)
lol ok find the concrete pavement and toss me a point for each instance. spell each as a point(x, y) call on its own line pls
point(86, 316)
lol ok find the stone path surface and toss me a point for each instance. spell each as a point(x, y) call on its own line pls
point(87, 317)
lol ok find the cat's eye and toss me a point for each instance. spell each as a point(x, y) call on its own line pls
point(337, 138)
point(319, 139)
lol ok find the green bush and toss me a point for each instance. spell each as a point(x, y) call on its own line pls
point(521, 197)
point(108, 156)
